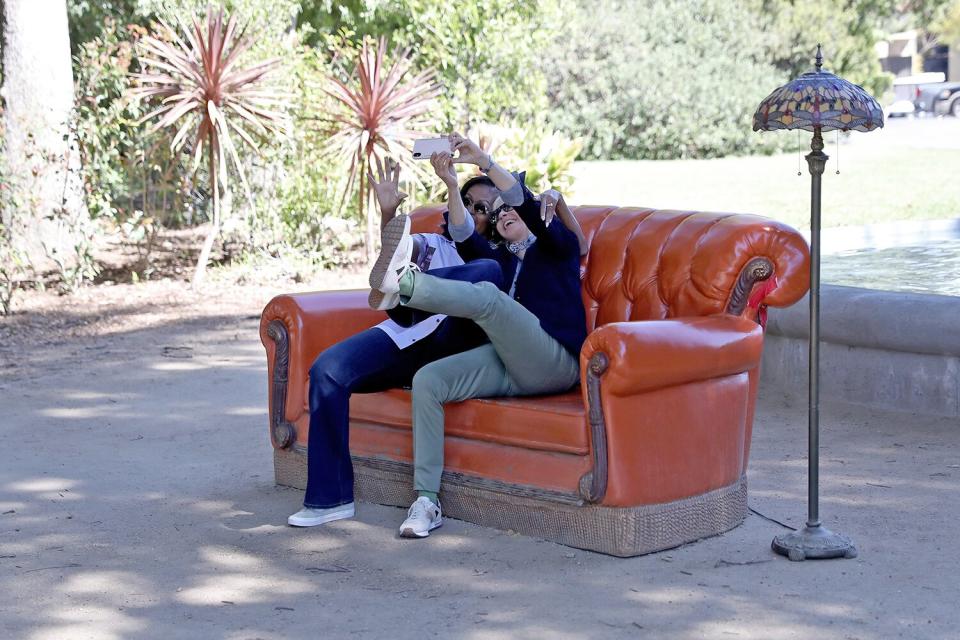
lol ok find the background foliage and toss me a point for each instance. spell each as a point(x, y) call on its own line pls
point(659, 78)
point(539, 82)
point(485, 53)
point(848, 30)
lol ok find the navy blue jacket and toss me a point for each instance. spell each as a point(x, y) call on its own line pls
point(549, 281)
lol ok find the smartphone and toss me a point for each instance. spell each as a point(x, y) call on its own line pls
point(425, 147)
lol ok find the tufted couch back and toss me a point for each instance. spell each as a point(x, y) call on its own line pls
point(647, 264)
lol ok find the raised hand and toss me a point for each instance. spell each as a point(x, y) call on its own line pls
point(468, 151)
point(443, 166)
point(387, 188)
point(553, 204)
point(549, 201)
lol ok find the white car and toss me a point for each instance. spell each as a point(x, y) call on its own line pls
point(900, 109)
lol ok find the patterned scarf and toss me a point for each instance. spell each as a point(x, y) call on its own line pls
point(516, 248)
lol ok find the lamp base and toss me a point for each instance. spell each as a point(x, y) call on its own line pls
point(815, 543)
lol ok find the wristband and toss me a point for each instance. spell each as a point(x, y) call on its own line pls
point(489, 166)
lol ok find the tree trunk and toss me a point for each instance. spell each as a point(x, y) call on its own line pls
point(366, 212)
point(201, 269)
point(41, 153)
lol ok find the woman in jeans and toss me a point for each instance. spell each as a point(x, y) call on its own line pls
point(535, 325)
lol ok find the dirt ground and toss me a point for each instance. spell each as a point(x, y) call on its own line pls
point(47, 327)
point(137, 501)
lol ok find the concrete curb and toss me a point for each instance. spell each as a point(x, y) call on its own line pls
point(879, 348)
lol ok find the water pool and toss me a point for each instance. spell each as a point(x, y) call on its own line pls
point(919, 257)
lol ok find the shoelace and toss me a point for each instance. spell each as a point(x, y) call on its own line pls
point(412, 266)
point(417, 510)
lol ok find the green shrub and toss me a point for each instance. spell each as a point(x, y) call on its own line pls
point(848, 30)
point(545, 155)
point(296, 190)
point(659, 78)
point(484, 53)
point(137, 186)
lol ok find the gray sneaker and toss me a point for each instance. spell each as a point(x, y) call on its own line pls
point(422, 518)
point(308, 517)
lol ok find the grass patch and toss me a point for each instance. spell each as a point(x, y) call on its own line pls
point(876, 184)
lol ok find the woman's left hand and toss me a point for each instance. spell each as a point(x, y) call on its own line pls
point(469, 152)
point(549, 201)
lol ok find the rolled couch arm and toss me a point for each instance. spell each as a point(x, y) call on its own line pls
point(643, 356)
point(622, 362)
point(294, 329)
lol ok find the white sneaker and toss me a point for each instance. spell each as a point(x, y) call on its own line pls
point(394, 258)
point(422, 518)
point(308, 517)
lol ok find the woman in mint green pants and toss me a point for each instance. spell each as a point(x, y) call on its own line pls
point(536, 324)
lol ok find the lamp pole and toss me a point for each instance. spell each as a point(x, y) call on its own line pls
point(814, 540)
point(817, 162)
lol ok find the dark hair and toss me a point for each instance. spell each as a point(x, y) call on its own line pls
point(474, 181)
point(469, 184)
point(492, 234)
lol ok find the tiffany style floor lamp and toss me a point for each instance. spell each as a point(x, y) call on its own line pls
point(817, 101)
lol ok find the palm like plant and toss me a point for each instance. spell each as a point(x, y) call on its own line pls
point(381, 111)
point(203, 94)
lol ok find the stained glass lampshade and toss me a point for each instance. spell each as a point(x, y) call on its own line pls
point(819, 99)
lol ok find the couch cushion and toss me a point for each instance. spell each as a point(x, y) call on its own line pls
point(547, 423)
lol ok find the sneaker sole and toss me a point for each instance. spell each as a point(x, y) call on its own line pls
point(410, 533)
point(313, 522)
point(392, 234)
point(375, 299)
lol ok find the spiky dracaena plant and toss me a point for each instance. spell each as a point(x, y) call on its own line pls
point(381, 111)
point(205, 96)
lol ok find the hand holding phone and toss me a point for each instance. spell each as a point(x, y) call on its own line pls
point(469, 152)
point(444, 168)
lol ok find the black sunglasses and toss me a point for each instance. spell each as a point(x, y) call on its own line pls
point(496, 213)
point(479, 208)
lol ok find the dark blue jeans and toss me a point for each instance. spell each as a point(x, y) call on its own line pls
point(366, 363)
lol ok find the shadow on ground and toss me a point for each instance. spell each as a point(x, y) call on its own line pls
point(137, 501)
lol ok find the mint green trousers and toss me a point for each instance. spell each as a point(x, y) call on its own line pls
point(521, 359)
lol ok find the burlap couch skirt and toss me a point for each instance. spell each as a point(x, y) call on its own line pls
point(558, 517)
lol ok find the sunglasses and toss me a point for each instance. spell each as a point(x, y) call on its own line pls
point(479, 208)
point(495, 215)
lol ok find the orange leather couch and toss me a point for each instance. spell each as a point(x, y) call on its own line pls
point(650, 452)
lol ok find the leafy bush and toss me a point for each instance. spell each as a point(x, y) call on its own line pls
point(846, 28)
point(543, 154)
point(484, 53)
point(125, 169)
point(659, 78)
point(379, 109)
point(134, 184)
point(296, 189)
